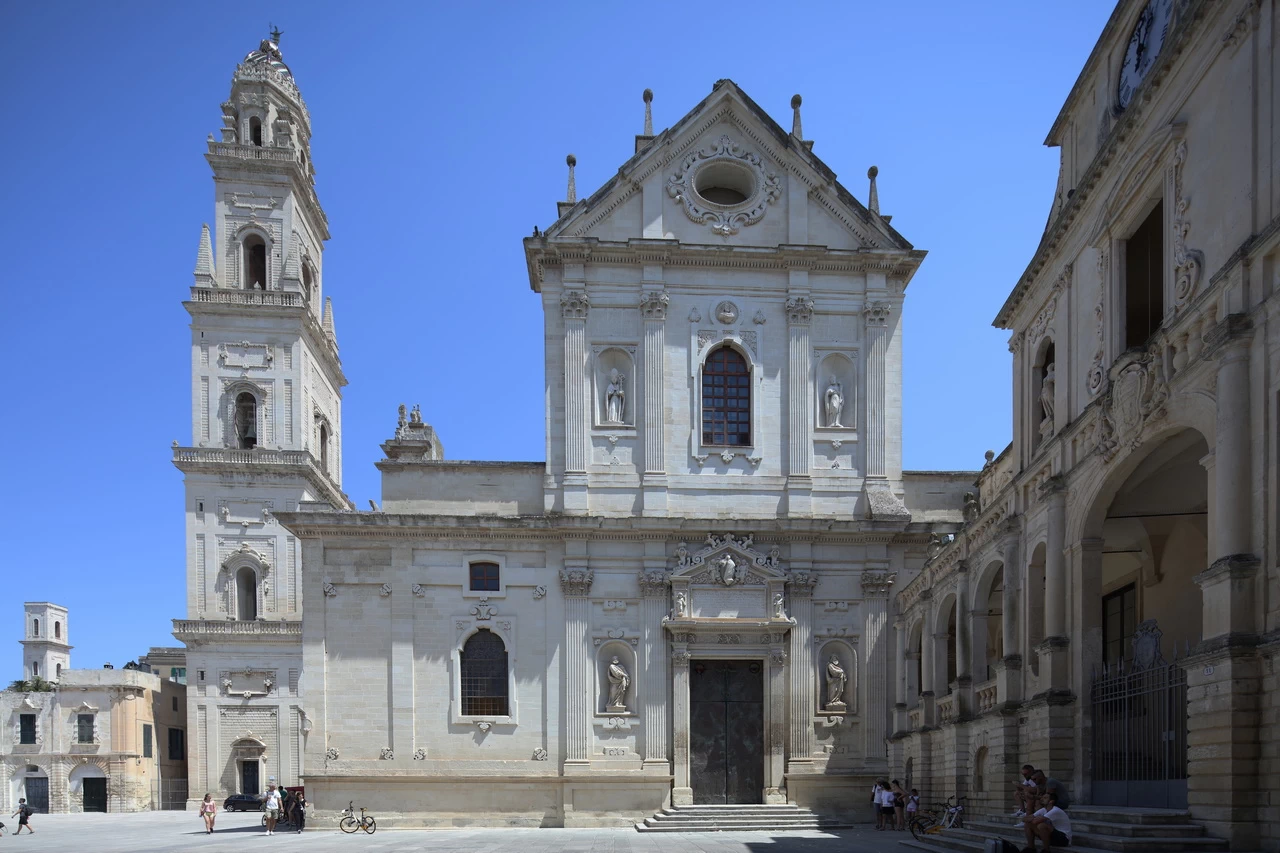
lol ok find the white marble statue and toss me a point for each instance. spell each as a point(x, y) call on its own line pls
point(778, 605)
point(1046, 392)
point(615, 398)
point(619, 681)
point(727, 570)
point(836, 680)
point(834, 402)
point(682, 604)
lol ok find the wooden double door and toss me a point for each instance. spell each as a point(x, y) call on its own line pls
point(726, 731)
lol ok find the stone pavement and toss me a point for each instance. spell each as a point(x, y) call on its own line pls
point(177, 832)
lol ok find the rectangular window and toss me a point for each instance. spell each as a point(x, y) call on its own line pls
point(1119, 616)
point(1144, 280)
point(84, 728)
point(200, 674)
point(177, 744)
point(146, 740)
point(178, 674)
point(175, 703)
point(484, 577)
point(27, 726)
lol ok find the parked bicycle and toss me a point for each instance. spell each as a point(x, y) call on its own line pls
point(948, 815)
point(348, 823)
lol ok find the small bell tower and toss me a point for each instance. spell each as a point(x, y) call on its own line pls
point(46, 651)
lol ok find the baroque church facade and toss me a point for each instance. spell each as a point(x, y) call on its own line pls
point(721, 586)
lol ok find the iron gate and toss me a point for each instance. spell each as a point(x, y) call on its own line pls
point(1140, 728)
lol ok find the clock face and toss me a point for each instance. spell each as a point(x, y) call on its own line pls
point(1143, 48)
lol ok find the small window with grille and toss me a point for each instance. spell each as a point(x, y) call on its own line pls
point(484, 676)
point(84, 728)
point(484, 577)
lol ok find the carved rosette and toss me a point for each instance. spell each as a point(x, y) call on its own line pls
point(877, 583)
point(331, 754)
point(653, 305)
point(574, 305)
point(725, 220)
point(387, 754)
point(802, 583)
point(576, 582)
point(877, 313)
point(799, 310)
point(655, 584)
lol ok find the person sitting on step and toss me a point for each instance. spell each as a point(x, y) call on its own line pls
point(1053, 828)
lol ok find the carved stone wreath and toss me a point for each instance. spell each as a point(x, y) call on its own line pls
point(725, 220)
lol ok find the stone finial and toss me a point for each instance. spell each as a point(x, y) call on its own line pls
point(326, 321)
point(796, 100)
point(648, 112)
point(572, 195)
point(873, 196)
point(204, 259)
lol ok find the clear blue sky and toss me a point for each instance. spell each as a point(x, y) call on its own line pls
point(440, 132)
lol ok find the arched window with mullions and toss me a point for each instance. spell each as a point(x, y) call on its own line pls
point(484, 676)
point(726, 399)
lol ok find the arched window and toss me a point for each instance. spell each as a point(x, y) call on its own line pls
point(35, 669)
point(246, 594)
point(726, 399)
point(59, 675)
point(246, 421)
point(255, 131)
point(255, 262)
point(484, 676)
point(57, 630)
point(324, 448)
point(35, 627)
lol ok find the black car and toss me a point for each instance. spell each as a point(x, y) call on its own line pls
point(242, 803)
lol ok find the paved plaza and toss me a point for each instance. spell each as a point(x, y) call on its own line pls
point(169, 832)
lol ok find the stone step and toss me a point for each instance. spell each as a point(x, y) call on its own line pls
point(1120, 814)
point(729, 818)
point(1082, 826)
point(977, 833)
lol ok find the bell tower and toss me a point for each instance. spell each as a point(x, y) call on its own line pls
point(45, 649)
point(266, 413)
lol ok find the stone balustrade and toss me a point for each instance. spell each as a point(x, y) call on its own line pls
point(189, 630)
point(252, 152)
point(913, 719)
point(985, 695)
point(226, 296)
point(947, 709)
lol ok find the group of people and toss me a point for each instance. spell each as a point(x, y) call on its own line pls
point(893, 805)
point(290, 807)
point(1042, 804)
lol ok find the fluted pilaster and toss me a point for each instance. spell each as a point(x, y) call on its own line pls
point(579, 697)
point(875, 603)
point(655, 591)
point(800, 741)
point(877, 315)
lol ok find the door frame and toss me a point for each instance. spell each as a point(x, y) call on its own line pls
point(84, 793)
point(706, 645)
point(762, 674)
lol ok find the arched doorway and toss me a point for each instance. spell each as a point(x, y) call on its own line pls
point(87, 787)
point(31, 781)
point(1154, 542)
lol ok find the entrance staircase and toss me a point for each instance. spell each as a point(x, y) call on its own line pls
point(736, 818)
point(1095, 829)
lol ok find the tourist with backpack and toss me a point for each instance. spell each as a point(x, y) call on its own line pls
point(23, 814)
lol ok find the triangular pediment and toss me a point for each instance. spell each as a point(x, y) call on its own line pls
point(729, 136)
point(727, 560)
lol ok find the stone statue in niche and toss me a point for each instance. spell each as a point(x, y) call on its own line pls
point(836, 680)
point(833, 400)
point(778, 607)
point(619, 681)
point(1047, 385)
point(615, 398)
point(682, 605)
point(726, 570)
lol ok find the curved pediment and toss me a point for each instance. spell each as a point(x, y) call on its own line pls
point(727, 560)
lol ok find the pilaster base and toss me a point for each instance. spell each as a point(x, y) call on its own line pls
point(1009, 680)
point(654, 491)
point(681, 796)
point(775, 796)
point(799, 496)
point(1055, 663)
point(576, 500)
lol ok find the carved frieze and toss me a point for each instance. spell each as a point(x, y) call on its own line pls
point(246, 356)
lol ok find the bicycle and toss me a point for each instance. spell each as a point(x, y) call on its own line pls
point(944, 816)
point(349, 824)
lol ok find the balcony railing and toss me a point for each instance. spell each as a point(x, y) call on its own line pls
point(224, 296)
point(913, 719)
point(234, 456)
point(210, 629)
point(947, 709)
point(252, 152)
point(986, 696)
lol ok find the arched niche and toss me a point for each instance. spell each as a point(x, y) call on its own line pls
point(234, 411)
point(615, 372)
point(604, 658)
point(836, 385)
point(987, 611)
point(848, 657)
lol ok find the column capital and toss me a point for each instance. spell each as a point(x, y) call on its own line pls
point(877, 583)
point(802, 583)
point(1237, 567)
point(576, 582)
point(877, 313)
point(574, 304)
point(655, 584)
point(799, 310)
point(680, 658)
point(1054, 485)
point(653, 305)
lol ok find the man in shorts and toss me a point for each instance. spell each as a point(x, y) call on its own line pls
point(1053, 828)
point(23, 814)
point(1049, 785)
point(272, 804)
point(1024, 791)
